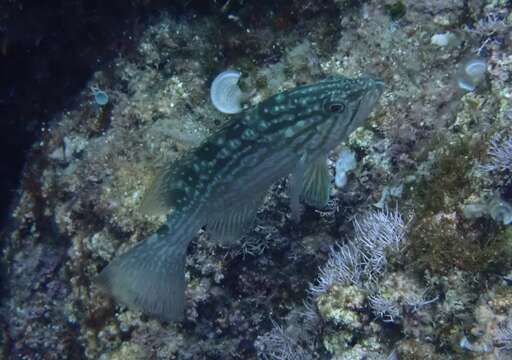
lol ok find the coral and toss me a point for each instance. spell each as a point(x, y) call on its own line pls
point(378, 234)
point(499, 154)
point(343, 267)
point(279, 345)
point(488, 29)
point(386, 309)
point(353, 271)
point(503, 338)
point(401, 299)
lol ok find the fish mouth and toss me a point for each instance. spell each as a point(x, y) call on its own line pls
point(373, 94)
point(368, 102)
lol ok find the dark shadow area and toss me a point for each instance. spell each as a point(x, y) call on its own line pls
point(48, 50)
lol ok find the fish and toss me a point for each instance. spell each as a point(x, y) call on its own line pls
point(221, 184)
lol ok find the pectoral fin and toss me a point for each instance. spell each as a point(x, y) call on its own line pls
point(316, 184)
point(294, 189)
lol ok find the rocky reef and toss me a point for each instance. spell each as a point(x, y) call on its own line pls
point(433, 162)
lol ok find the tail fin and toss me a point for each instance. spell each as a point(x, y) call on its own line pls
point(149, 277)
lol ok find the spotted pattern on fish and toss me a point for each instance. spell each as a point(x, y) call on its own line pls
point(221, 183)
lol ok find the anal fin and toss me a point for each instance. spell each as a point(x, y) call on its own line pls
point(227, 226)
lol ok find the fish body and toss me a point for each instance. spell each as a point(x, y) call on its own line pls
point(222, 183)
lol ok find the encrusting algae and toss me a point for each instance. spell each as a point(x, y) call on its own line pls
point(222, 183)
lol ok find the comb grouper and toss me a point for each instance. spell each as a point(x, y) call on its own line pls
point(221, 184)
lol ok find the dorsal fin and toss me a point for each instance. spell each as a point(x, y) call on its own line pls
point(333, 77)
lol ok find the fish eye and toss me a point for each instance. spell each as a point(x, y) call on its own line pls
point(336, 107)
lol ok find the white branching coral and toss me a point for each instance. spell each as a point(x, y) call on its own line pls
point(386, 309)
point(391, 304)
point(377, 233)
point(488, 26)
point(342, 267)
point(487, 29)
point(277, 344)
point(499, 154)
point(503, 339)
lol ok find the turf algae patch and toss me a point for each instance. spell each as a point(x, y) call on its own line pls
point(445, 241)
point(441, 238)
point(448, 182)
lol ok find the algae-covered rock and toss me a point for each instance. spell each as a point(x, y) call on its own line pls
point(343, 305)
point(127, 351)
point(371, 349)
point(79, 200)
point(413, 349)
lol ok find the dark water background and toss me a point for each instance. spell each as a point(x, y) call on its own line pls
point(48, 50)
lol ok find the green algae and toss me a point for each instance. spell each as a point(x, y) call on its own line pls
point(440, 245)
point(441, 239)
point(448, 182)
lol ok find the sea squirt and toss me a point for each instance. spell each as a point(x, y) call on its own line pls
point(225, 94)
